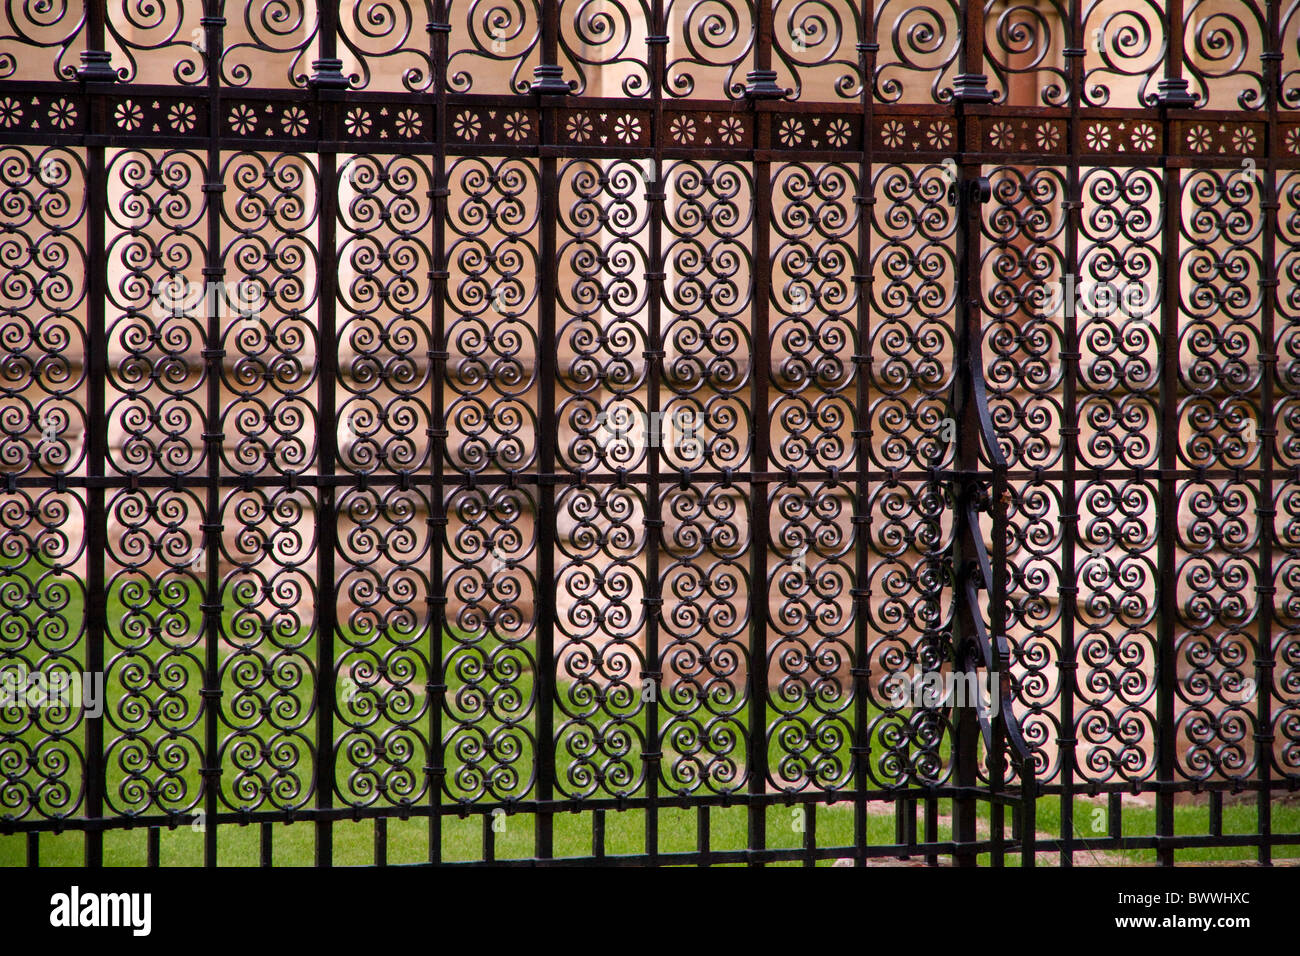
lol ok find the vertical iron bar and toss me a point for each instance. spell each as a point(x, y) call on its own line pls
point(761, 84)
point(1172, 90)
point(758, 663)
point(932, 828)
point(439, 31)
point(905, 826)
point(1172, 93)
point(1028, 831)
point(548, 76)
point(970, 87)
point(1070, 354)
point(214, 355)
point(965, 748)
point(327, 81)
point(1264, 588)
point(96, 448)
point(862, 435)
point(381, 841)
point(702, 833)
point(266, 837)
point(547, 360)
point(656, 195)
point(153, 848)
point(33, 849)
point(996, 755)
point(810, 834)
point(1166, 661)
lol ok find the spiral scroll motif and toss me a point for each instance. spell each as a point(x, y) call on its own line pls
point(911, 343)
point(494, 45)
point(270, 220)
point(707, 296)
point(1284, 688)
point(810, 648)
point(42, 289)
point(813, 308)
point(1220, 47)
point(156, 379)
point(1028, 38)
point(814, 41)
point(387, 33)
point(493, 256)
point(716, 38)
point(1126, 40)
point(603, 318)
point(269, 217)
point(42, 429)
point(155, 35)
point(1023, 226)
point(490, 748)
point(1023, 334)
point(607, 41)
point(279, 33)
point(1116, 298)
point(704, 655)
point(53, 25)
point(600, 559)
point(917, 44)
point(383, 345)
point(489, 657)
point(1218, 523)
point(384, 309)
point(913, 303)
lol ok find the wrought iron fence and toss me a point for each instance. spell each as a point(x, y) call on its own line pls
point(421, 413)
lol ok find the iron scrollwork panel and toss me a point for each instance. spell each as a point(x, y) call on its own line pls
point(1284, 620)
point(600, 533)
point(1023, 231)
point(912, 372)
point(492, 538)
point(43, 424)
point(1119, 375)
point(156, 379)
point(811, 415)
point(1220, 261)
point(708, 368)
point(383, 347)
point(613, 360)
point(268, 551)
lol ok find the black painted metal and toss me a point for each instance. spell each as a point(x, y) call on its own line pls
point(425, 588)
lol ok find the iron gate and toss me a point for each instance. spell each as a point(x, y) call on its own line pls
point(443, 412)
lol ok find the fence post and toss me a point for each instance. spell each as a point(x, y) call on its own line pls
point(550, 87)
point(96, 70)
point(760, 85)
point(439, 31)
point(328, 82)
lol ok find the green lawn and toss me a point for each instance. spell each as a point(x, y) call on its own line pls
point(163, 624)
point(624, 834)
